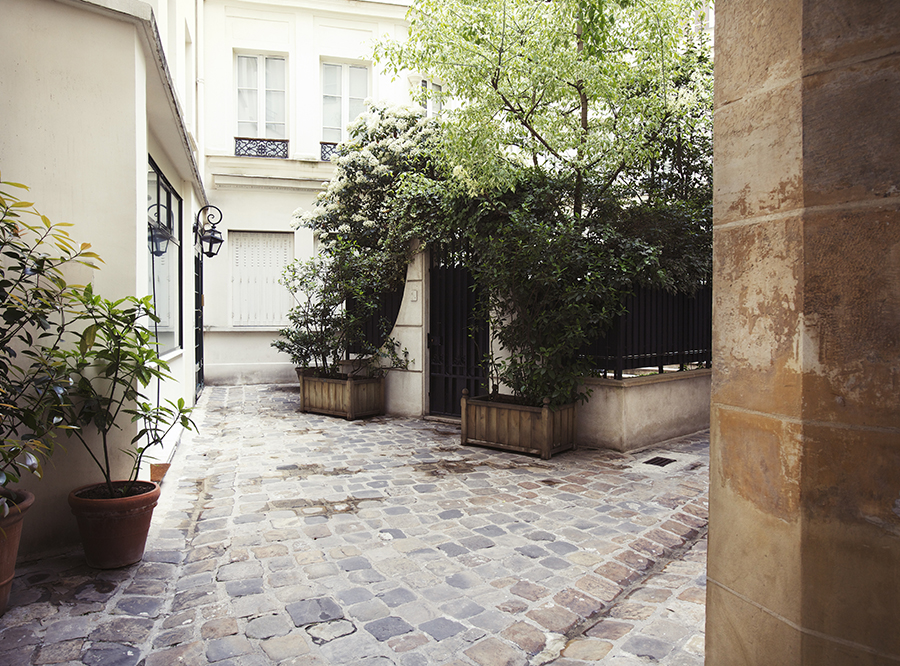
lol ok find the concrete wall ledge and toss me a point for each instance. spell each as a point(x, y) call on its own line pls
point(632, 413)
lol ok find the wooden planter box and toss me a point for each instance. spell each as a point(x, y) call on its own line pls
point(350, 398)
point(505, 425)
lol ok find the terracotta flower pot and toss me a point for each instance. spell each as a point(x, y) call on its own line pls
point(10, 533)
point(114, 531)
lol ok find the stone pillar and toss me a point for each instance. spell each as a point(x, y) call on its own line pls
point(804, 546)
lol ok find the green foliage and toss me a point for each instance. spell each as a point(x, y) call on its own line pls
point(550, 281)
point(581, 142)
point(680, 168)
point(35, 299)
point(578, 88)
point(388, 164)
point(682, 234)
point(110, 364)
point(323, 330)
point(577, 166)
point(370, 220)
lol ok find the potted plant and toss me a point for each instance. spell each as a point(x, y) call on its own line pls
point(340, 372)
point(111, 364)
point(549, 281)
point(34, 299)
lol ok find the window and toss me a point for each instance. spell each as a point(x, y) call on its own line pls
point(164, 210)
point(431, 99)
point(344, 92)
point(262, 83)
point(257, 260)
point(261, 106)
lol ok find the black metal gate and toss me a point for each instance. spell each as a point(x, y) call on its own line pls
point(198, 322)
point(458, 338)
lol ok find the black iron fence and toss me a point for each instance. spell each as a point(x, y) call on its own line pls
point(658, 329)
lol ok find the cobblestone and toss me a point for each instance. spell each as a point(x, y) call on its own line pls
point(298, 539)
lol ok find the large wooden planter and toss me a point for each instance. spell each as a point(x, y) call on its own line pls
point(350, 398)
point(505, 425)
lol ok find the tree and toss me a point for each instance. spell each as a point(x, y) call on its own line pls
point(579, 88)
point(390, 157)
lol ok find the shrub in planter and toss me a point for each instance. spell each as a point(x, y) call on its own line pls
point(111, 364)
point(322, 333)
point(34, 303)
point(550, 281)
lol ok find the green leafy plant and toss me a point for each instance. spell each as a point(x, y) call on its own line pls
point(35, 304)
point(580, 151)
point(323, 329)
point(110, 365)
point(549, 281)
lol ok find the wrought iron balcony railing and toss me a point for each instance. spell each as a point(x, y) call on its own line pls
point(328, 150)
point(248, 147)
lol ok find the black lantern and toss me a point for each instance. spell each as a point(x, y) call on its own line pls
point(158, 233)
point(205, 232)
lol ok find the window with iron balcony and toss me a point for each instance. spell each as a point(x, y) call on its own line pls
point(344, 91)
point(261, 106)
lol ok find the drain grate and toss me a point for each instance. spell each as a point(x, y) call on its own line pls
point(659, 461)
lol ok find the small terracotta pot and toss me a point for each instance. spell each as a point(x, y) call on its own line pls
point(114, 531)
point(10, 533)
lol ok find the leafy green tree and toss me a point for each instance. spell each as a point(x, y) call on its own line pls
point(549, 281)
point(582, 89)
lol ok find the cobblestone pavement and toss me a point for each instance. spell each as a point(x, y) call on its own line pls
point(285, 538)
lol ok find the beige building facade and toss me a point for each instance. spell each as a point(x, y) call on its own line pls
point(804, 538)
point(280, 82)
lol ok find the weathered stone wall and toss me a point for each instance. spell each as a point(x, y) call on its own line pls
point(804, 554)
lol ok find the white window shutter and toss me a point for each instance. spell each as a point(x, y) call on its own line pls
point(258, 258)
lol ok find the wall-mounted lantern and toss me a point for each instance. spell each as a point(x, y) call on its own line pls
point(158, 231)
point(205, 231)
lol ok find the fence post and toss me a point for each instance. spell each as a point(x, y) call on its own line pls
point(463, 421)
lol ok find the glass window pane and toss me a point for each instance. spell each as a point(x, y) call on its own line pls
point(164, 282)
point(275, 74)
point(357, 106)
point(331, 112)
point(359, 82)
point(275, 131)
point(331, 80)
point(248, 107)
point(247, 72)
point(438, 103)
point(247, 130)
point(331, 134)
point(275, 106)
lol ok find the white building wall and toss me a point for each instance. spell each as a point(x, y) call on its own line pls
point(260, 194)
point(84, 98)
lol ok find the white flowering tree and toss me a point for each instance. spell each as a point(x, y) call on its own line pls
point(366, 224)
point(390, 160)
